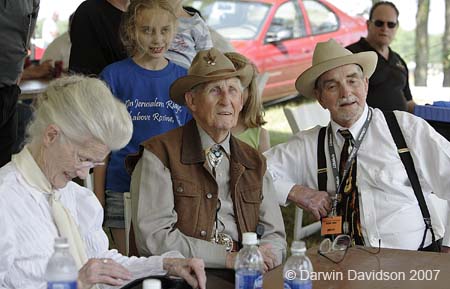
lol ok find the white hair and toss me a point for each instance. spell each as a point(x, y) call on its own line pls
point(83, 108)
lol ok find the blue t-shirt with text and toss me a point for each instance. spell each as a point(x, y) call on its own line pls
point(146, 95)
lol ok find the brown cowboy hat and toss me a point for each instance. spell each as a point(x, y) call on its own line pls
point(329, 55)
point(240, 61)
point(208, 65)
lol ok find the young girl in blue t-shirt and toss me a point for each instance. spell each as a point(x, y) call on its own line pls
point(142, 82)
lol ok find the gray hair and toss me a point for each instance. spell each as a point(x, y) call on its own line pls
point(83, 108)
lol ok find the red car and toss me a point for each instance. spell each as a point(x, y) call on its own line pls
point(279, 36)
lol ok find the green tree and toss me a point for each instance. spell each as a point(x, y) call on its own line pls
point(420, 73)
point(403, 44)
point(446, 46)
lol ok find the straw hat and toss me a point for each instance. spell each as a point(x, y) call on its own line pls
point(208, 65)
point(329, 55)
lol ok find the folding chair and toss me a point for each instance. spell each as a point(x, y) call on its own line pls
point(300, 118)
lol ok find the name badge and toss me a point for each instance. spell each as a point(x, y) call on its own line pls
point(331, 225)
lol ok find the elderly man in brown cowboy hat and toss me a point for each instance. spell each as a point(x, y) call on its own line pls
point(352, 174)
point(196, 189)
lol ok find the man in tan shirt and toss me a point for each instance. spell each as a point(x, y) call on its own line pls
point(196, 189)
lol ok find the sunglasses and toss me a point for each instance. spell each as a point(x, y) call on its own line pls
point(379, 23)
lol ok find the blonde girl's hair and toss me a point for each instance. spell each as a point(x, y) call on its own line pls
point(252, 111)
point(128, 29)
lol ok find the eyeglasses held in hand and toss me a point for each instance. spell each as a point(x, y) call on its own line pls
point(379, 23)
point(338, 248)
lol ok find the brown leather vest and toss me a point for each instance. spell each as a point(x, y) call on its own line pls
point(195, 190)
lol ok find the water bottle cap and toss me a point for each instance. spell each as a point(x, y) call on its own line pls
point(61, 242)
point(151, 284)
point(298, 247)
point(249, 238)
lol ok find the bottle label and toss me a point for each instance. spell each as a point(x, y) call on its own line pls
point(297, 284)
point(248, 279)
point(62, 285)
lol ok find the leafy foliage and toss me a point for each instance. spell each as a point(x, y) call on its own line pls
point(403, 44)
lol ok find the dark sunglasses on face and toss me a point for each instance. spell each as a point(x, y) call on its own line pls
point(379, 23)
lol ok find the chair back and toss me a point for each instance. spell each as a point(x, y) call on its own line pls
point(300, 118)
point(306, 116)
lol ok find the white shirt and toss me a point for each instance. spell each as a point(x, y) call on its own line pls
point(28, 232)
point(49, 30)
point(388, 206)
point(59, 49)
point(192, 36)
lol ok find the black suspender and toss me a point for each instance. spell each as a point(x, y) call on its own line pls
point(321, 161)
point(407, 161)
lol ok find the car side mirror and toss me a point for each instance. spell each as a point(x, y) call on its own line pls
point(280, 35)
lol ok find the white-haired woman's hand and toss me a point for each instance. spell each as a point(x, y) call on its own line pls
point(192, 270)
point(105, 271)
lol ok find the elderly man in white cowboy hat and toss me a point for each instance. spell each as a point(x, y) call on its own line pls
point(196, 189)
point(351, 173)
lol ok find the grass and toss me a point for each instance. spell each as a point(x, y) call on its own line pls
point(280, 132)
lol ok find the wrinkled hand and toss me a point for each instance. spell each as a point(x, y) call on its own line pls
point(192, 270)
point(104, 271)
point(317, 202)
point(231, 259)
point(270, 259)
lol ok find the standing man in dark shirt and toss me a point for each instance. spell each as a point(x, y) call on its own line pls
point(17, 22)
point(388, 86)
point(96, 43)
point(94, 33)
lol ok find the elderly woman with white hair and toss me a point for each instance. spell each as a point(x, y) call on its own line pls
point(76, 124)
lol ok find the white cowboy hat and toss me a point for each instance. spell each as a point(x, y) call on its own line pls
point(329, 55)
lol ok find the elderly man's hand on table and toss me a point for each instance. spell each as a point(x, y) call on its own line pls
point(317, 202)
point(192, 270)
point(270, 259)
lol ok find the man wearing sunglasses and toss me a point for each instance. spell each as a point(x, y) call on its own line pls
point(389, 86)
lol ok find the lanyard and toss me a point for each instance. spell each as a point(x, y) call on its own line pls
point(350, 159)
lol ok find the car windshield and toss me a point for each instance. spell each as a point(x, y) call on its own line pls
point(235, 20)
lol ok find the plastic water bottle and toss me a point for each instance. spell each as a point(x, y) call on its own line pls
point(61, 272)
point(298, 268)
point(249, 265)
point(151, 284)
